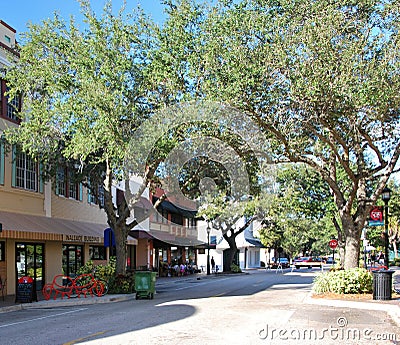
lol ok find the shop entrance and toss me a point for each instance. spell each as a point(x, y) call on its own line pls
point(30, 262)
point(72, 259)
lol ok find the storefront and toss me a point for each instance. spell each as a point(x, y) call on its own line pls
point(43, 247)
point(165, 250)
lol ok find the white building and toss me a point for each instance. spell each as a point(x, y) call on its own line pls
point(250, 250)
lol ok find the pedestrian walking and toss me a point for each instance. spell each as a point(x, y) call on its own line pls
point(212, 264)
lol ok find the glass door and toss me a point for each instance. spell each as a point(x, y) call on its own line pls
point(72, 259)
point(30, 262)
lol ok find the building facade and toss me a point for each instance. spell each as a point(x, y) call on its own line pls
point(54, 227)
point(46, 228)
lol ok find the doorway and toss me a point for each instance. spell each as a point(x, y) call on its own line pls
point(72, 259)
point(30, 262)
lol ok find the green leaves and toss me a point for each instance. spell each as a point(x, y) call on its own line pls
point(350, 281)
point(86, 89)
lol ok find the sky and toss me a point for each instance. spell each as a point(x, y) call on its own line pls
point(17, 13)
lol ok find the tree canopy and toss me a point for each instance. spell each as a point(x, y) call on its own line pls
point(84, 93)
point(320, 78)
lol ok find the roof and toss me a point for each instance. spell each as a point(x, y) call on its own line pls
point(144, 203)
point(166, 238)
point(30, 223)
point(17, 222)
point(248, 236)
point(174, 208)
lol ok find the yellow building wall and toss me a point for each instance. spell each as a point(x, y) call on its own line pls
point(18, 200)
point(10, 257)
point(53, 260)
point(72, 209)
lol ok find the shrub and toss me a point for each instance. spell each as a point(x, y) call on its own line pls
point(116, 284)
point(321, 283)
point(235, 269)
point(350, 281)
point(122, 283)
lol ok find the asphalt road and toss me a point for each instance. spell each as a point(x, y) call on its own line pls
point(238, 309)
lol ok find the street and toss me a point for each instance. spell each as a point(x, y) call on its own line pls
point(234, 309)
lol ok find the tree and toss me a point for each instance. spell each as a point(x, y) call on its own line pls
point(299, 218)
point(320, 78)
point(84, 93)
point(394, 218)
point(231, 217)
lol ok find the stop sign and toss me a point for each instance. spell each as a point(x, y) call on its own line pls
point(333, 244)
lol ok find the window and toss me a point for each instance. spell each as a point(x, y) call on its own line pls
point(60, 183)
point(26, 172)
point(66, 186)
point(176, 218)
point(97, 253)
point(2, 157)
point(2, 251)
point(161, 216)
point(72, 189)
point(7, 39)
point(13, 106)
point(98, 198)
point(191, 222)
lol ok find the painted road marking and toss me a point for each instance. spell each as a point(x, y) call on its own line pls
point(42, 318)
point(85, 338)
point(203, 283)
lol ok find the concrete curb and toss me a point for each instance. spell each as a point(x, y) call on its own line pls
point(68, 302)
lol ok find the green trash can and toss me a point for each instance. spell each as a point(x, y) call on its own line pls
point(145, 284)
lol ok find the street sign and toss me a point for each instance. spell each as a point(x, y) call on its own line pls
point(376, 216)
point(333, 244)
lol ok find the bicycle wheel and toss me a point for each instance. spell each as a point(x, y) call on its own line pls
point(100, 288)
point(68, 287)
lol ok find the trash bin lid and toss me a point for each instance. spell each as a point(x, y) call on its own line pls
point(383, 271)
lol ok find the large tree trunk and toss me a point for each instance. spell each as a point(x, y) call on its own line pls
point(121, 234)
point(352, 249)
point(231, 251)
point(352, 233)
point(116, 218)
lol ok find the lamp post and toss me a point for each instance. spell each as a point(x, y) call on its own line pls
point(208, 248)
point(386, 197)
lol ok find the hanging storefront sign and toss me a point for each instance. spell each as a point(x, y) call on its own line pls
point(82, 238)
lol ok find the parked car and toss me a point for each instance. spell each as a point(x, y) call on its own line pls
point(283, 261)
point(307, 261)
point(330, 261)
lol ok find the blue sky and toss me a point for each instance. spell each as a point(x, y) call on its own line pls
point(17, 13)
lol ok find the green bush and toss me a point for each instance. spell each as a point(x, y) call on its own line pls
point(116, 284)
point(235, 269)
point(396, 262)
point(122, 283)
point(350, 281)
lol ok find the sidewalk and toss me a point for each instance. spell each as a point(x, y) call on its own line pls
point(391, 307)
